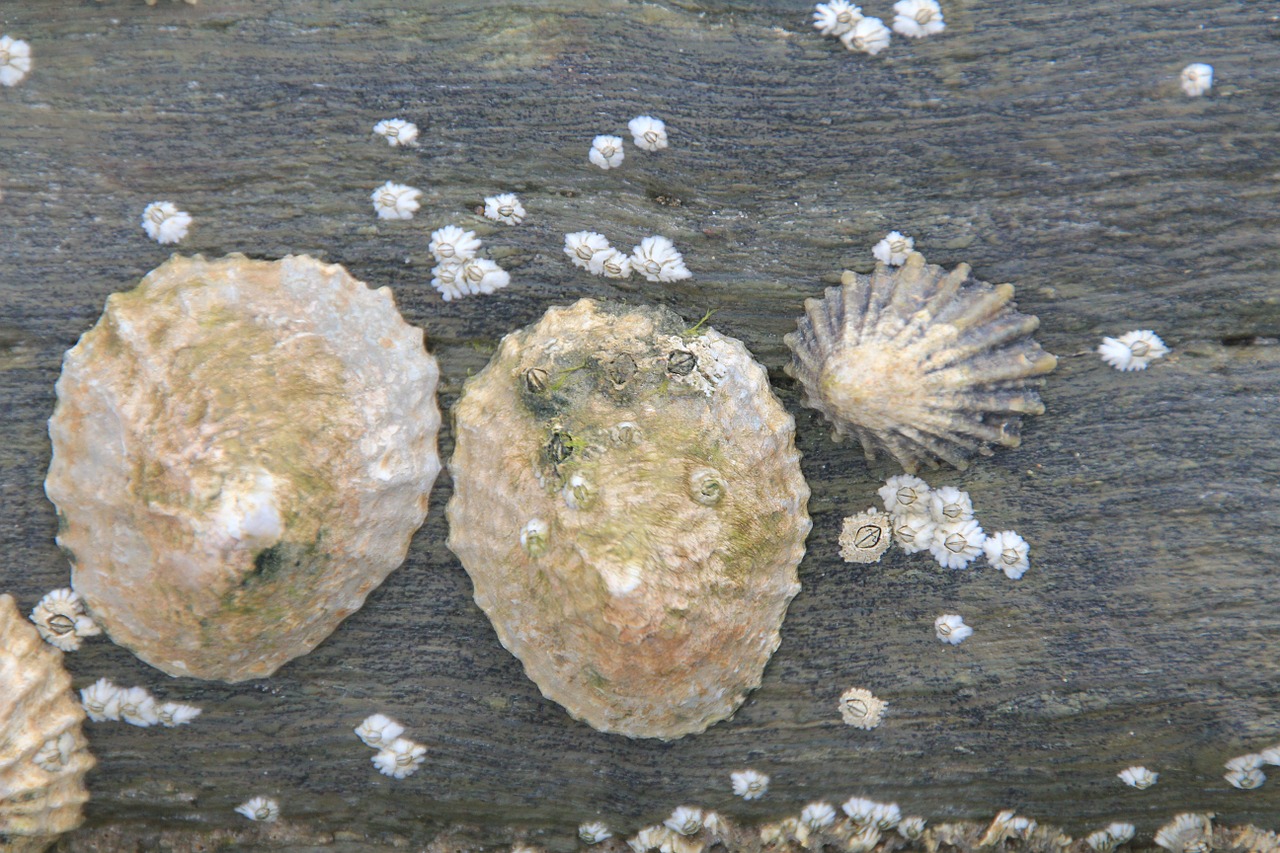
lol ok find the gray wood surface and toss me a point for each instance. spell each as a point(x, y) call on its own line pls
point(1045, 142)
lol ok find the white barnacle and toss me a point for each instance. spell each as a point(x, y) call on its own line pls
point(15, 60)
point(1132, 350)
point(1008, 552)
point(606, 151)
point(594, 832)
point(864, 841)
point(1101, 841)
point(1245, 772)
point(481, 275)
point(893, 248)
point(904, 493)
point(101, 700)
point(1186, 833)
point(138, 707)
point(865, 537)
point(1196, 79)
point(164, 223)
point(1138, 777)
point(860, 708)
point(505, 208)
point(579, 492)
point(835, 18)
point(648, 133)
point(444, 278)
point(452, 243)
point(885, 816)
point(749, 784)
point(949, 504)
point(914, 531)
point(264, 809)
point(868, 35)
point(950, 628)
point(61, 620)
point(1270, 755)
point(582, 246)
point(657, 259)
point(957, 544)
point(533, 537)
point(818, 816)
point(911, 828)
point(917, 18)
point(685, 820)
point(650, 838)
point(395, 201)
point(54, 753)
point(610, 263)
point(397, 132)
point(171, 714)
point(378, 730)
point(859, 810)
point(400, 758)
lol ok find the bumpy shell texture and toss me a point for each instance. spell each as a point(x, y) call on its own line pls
point(924, 365)
point(241, 451)
point(43, 754)
point(629, 504)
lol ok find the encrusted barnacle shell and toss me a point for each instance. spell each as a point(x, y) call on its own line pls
point(242, 450)
point(650, 608)
point(43, 754)
point(919, 363)
point(865, 536)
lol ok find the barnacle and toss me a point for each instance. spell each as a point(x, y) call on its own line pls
point(859, 707)
point(629, 506)
point(1132, 350)
point(504, 207)
point(242, 450)
point(914, 531)
point(378, 730)
point(868, 35)
point(164, 223)
point(1008, 552)
point(259, 808)
point(924, 365)
point(1245, 772)
point(835, 18)
point(397, 132)
point(61, 620)
point(1186, 833)
point(818, 816)
point(685, 820)
point(101, 701)
point(905, 493)
point(1138, 777)
point(648, 133)
point(917, 18)
point(43, 754)
point(452, 243)
point(956, 544)
point(1108, 839)
point(606, 151)
point(594, 832)
point(15, 60)
point(865, 537)
point(949, 505)
point(400, 758)
point(951, 629)
point(911, 828)
point(172, 714)
point(394, 201)
point(749, 784)
point(1196, 79)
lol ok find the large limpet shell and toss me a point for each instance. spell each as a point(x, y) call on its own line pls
point(920, 363)
point(241, 451)
point(629, 504)
point(43, 753)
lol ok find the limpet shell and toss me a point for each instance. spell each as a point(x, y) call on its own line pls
point(919, 363)
point(43, 754)
point(633, 534)
point(242, 450)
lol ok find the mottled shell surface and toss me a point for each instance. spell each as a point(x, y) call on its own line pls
point(242, 450)
point(629, 505)
point(43, 754)
point(922, 364)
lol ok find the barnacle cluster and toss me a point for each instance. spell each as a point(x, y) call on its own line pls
point(925, 365)
point(104, 701)
point(458, 271)
point(629, 506)
point(656, 258)
point(215, 535)
point(397, 757)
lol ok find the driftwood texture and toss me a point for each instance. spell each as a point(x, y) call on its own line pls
point(1045, 142)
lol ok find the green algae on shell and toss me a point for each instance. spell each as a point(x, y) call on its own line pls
point(629, 505)
point(242, 450)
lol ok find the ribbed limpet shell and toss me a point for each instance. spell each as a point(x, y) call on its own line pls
point(241, 451)
point(629, 504)
point(43, 754)
point(920, 363)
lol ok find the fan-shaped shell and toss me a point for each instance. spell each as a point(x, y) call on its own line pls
point(629, 504)
point(919, 363)
point(241, 451)
point(43, 754)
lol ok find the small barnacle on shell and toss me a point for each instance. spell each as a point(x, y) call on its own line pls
point(893, 248)
point(594, 832)
point(924, 365)
point(61, 620)
point(818, 816)
point(629, 506)
point(1187, 833)
point(378, 730)
point(866, 536)
point(1138, 777)
point(859, 810)
point(685, 820)
point(911, 828)
point(260, 808)
point(749, 784)
point(242, 450)
point(43, 754)
point(400, 758)
point(859, 707)
point(951, 629)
